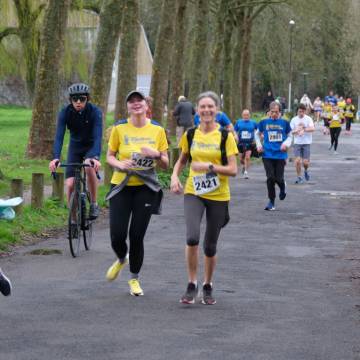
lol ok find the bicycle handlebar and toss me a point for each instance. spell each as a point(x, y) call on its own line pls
point(78, 165)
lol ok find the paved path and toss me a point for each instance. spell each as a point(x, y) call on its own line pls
point(287, 282)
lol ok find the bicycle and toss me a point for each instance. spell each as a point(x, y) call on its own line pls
point(79, 224)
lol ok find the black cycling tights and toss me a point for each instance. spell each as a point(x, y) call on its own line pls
point(334, 134)
point(134, 201)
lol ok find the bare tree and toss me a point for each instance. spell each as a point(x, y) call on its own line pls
point(46, 97)
point(178, 62)
point(106, 43)
point(161, 64)
point(129, 40)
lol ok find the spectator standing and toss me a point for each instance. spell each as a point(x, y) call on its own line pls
point(183, 113)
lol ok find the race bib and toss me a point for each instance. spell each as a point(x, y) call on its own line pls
point(141, 161)
point(206, 183)
point(349, 114)
point(245, 134)
point(275, 136)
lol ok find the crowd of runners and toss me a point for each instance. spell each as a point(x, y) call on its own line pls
point(138, 145)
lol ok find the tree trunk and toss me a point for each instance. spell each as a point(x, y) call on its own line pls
point(199, 47)
point(127, 71)
point(236, 64)
point(161, 64)
point(178, 63)
point(106, 43)
point(228, 68)
point(245, 81)
point(29, 36)
point(217, 49)
point(46, 97)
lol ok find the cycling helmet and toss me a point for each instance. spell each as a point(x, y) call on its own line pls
point(79, 88)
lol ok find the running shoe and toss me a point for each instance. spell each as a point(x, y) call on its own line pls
point(246, 175)
point(270, 206)
point(208, 298)
point(336, 153)
point(243, 171)
point(115, 269)
point(299, 180)
point(190, 294)
point(282, 193)
point(306, 176)
point(94, 211)
point(5, 284)
point(330, 147)
point(135, 289)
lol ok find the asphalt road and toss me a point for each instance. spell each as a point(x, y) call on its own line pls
point(287, 282)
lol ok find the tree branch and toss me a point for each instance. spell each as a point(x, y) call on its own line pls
point(8, 31)
point(260, 2)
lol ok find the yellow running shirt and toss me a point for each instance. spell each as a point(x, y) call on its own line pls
point(335, 121)
point(206, 148)
point(127, 140)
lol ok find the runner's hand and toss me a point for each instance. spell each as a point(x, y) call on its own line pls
point(283, 147)
point(149, 152)
point(54, 164)
point(125, 164)
point(175, 186)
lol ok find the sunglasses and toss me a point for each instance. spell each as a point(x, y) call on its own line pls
point(76, 98)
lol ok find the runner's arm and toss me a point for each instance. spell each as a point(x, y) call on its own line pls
point(228, 170)
point(59, 136)
point(175, 185)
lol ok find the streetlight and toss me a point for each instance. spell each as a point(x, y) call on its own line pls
point(305, 74)
point(291, 25)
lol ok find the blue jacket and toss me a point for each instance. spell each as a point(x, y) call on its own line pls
point(85, 130)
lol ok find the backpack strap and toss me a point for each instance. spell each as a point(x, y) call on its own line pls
point(224, 136)
point(190, 136)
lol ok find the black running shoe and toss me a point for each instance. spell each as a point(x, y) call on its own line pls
point(208, 298)
point(190, 294)
point(5, 284)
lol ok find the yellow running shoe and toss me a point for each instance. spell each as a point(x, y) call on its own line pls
point(115, 269)
point(135, 289)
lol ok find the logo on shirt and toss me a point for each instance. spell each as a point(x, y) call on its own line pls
point(202, 146)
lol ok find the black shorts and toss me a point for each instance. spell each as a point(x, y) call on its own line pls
point(244, 147)
point(77, 155)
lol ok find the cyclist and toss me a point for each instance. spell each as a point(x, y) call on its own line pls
point(349, 115)
point(5, 284)
point(207, 188)
point(302, 127)
point(136, 145)
point(245, 129)
point(275, 132)
point(84, 121)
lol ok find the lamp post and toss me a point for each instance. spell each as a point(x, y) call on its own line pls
point(291, 26)
point(305, 74)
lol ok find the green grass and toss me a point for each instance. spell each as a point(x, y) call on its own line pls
point(32, 222)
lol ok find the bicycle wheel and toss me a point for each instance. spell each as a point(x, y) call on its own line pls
point(87, 223)
point(74, 224)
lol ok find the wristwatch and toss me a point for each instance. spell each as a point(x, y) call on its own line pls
point(211, 168)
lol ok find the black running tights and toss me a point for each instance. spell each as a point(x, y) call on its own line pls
point(334, 134)
point(134, 202)
point(274, 169)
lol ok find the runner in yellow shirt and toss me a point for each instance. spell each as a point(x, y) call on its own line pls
point(335, 128)
point(349, 115)
point(136, 145)
point(213, 159)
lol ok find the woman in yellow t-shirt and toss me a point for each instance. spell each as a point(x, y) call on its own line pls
point(335, 128)
point(136, 145)
point(206, 188)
